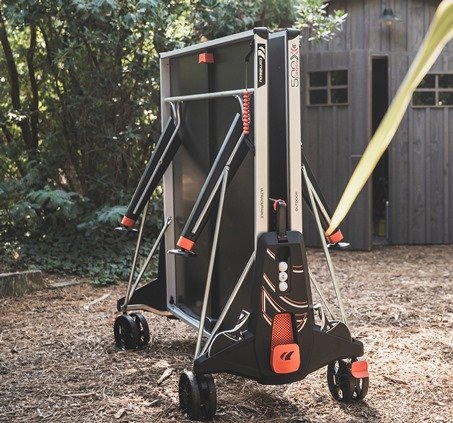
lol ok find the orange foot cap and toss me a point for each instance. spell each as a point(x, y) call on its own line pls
point(128, 222)
point(185, 243)
point(335, 238)
point(359, 369)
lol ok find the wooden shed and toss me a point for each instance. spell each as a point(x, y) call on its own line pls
point(348, 84)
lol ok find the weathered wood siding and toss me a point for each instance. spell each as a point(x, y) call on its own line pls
point(334, 137)
point(421, 153)
point(363, 29)
point(421, 166)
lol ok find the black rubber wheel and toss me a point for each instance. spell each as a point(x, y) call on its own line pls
point(340, 380)
point(189, 395)
point(360, 389)
point(208, 396)
point(126, 332)
point(143, 329)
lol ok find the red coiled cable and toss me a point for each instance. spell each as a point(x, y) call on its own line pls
point(246, 112)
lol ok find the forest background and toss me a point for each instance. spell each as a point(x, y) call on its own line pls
point(79, 116)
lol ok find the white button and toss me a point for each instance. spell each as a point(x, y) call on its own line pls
point(283, 266)
point(283, 276)
point(282, 286)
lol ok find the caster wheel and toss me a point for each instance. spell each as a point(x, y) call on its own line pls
point(360, 389)
point(340, 381)
point(189, 395)
point(343, 385)
point(208, 396)
point(126, 332)
point(143, 329)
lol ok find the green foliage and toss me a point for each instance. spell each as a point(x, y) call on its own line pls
point(104, 257)
point(108, 216)
point(312, 14)
point(79, 115)
point(217, 18)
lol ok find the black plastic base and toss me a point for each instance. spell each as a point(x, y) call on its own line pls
point(249, 351)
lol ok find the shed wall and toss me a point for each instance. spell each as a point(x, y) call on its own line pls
point(334, 138)
point(421, 166)
point(421, 153)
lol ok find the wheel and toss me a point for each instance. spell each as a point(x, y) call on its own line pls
point(143, 329)
point(340, 381)
point(189, 395)
point(208, 396)
point(343, 385)
point(126, 332)
point(360, 389)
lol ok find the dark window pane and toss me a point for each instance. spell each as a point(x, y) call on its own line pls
point(318, 79)
point(429, 81)
point(339, 78)
point(318, 96)
point(445, 81)
point(445, 98)
point(339, 96)
point(424, 98)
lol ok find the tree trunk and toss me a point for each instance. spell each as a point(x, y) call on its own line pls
point(7, 135)
point(34, 107)
point(24, 124)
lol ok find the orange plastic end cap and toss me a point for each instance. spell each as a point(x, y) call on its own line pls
point(335, 238)
point(128, 222)
point(206, 58)
point(185, 243)
point(359, 369)
point(285, 358)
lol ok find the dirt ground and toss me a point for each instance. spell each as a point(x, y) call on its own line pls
point(58, 362)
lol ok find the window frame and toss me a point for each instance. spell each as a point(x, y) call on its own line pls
point(327, 88)
point(436, 90)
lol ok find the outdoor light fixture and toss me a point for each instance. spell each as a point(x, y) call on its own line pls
point(388, 17)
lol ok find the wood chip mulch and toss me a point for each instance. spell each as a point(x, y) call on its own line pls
point(58, 362)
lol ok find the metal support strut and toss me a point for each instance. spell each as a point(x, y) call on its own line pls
point(211, 261)
point(134, 261)
point(230, 301)
point(146, 264)
point(325, 248)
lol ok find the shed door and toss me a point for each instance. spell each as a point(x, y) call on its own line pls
point(380, 102)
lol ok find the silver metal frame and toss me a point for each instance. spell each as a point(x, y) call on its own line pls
point(261, 131)
point(294, 135)
point(206, 96)
point(170, 261)
point(230, 39)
